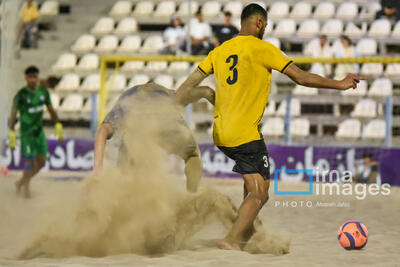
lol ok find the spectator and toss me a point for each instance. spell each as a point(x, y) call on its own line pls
point(345, 49)
point(390, 9)
point(367, 170)
point(320, 48)
point(200, 36)
point(28, 25)
point(174, 37)
point(225, 32)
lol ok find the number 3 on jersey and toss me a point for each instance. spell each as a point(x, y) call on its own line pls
point(233, 78)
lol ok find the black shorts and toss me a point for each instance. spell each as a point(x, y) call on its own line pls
point(250, 158)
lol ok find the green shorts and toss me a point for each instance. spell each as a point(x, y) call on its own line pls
point(34, 145)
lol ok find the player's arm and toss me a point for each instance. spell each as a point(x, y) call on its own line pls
point(13, 118)
point(58, 125)
point(305, 78)
point(186, 93)
point(104, 132)
point(53, 113)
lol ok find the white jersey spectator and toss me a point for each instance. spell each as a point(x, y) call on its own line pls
point(345, 49)
point(174, 37)
point(200, 35)
point(320, 48)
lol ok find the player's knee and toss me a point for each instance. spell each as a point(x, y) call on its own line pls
point(40, 162)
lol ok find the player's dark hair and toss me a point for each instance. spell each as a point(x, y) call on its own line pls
point(367, 155)
point(253, 9)
point(228, 14)
point(346, 38)
point(323, 36)
point(31, 70)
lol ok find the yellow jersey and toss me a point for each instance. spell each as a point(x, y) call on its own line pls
point(29, 13)
point(242, 67)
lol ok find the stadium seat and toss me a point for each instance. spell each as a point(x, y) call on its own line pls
point(367, 47)
point(396, 30)
point(349, 128)
point(319, 69)
point(382, 87)
point(324, 10)
point(165, 80)
point(103, 26)
point(138, 79)
point(117, 83)
point(107, 44)
point(165, 9)
point(273, 127)
point(184, 8)
point(72, 103)
point(209, 81)
point(278, 10)
point(380, 28)
point(300, 127)
point(126, 26)
point(211, 9)
point(270, 109)
point(89, 62)
point(130, 44)
point(306, 91)
point(275, 41)
point(359, 92)
point(66, 62)
point(369, 10)
point(285, 28)
point(308, 28)
point(354, 31)
point(375, 129)
point(365, 108)
point(393, 70)
point(372, 69)
point(295, 108)
point(156, 66)
point(301, 10)
point(268, 29)
point(332, 28)
point(87, 109)
point(84, 44)
point(132, 66)
point(347, 11)
point(55, 100)
point(69, 82)
point(91, 83)
point(143, 9)
point(152, 44)
point(121, 9)
point(235, 7)
point(49, 9)
point(178, 67)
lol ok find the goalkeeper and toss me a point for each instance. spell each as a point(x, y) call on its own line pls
point(29, 103)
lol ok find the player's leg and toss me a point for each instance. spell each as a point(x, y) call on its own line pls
point(193, 170)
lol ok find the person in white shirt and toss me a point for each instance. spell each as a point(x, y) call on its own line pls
point(320, 48)
point(174, 37)
point(200, 36)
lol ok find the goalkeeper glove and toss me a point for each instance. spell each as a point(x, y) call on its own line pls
point(12, 139)
point(59, 131)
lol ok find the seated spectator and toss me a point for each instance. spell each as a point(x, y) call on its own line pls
point(346, 49)
point(200, 36)
point(320, 48)
point(390, 9)
point(367, 170)
point(28, 25)
point(225, 32)
point(174, 37)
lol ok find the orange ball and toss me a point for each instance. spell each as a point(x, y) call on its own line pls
point(353, 235)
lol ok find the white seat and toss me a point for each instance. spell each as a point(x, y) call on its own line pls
point(279, 10)
point(372, 69)
point(302, 90)
point(152, 44)
point(143, 9)
point(179, 67)
point(332, 28)
point(156, 66)
point(165, 9)
point(165, 80)
point(367, 47)
point(300, 127)
point(84, 44)
point(107, 44)
point(121, 8)
point(126, 26)
point(209, 81)
point(295, 108)
point(138, 79)
point(65, 62)
point(274, 127)
point(270, 109)
point(55, 100)
point(89, 62)
point(130, 44)
point(103, 26)
point(365, 108)
point(393, 70)
point(268, 30)
point(308, 28)
point(381, 87)
point(275, 41)
point(301, 10)
point(319, 69)
point(87, 107)
point(396, 30)
point(69, 82)
point(360, 91)
point(91, 83)
point(354, 31)
point(324, 10)
point(349, 128)
point(49, 9)
point(72, 103)
point(347, 11)
point(133, 66)
point(380, 28)
point(285, 28)
point(375, 129)
point(368, 11)
point(211, 9)
point(235, 7)
point(117, 83)
point(184, 8)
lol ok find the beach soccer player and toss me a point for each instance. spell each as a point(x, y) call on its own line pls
point(29, 102)
point(173, 135)
point(242, 67)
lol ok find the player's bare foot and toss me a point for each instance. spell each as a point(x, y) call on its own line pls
point(18, 185)
point(225, 244)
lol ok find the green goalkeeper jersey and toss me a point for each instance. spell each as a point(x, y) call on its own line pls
point(30, 105)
